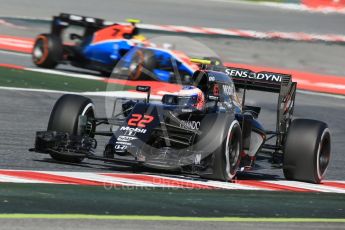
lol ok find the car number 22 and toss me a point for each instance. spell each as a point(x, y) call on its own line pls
point(140, 120)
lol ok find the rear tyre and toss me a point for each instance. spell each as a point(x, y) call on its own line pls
point(307, 151)
point(47, 51)
point(65, 116)
point(225, 142)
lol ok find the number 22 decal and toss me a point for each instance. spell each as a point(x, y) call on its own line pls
point(140, 120)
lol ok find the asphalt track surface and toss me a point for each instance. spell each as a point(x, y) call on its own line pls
point(210, 13)
point(316, 57)
point(23, 113)
point(19, 127)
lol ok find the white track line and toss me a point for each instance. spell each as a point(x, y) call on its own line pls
point(75, 75)
point(37, 90)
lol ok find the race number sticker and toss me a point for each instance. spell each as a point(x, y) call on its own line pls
point(140, 120)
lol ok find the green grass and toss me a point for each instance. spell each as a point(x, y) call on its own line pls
point(168, 218)
point(36, 80)
point(130, 202)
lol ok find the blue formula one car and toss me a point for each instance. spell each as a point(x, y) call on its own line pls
point(102, 45)
point(203, 129)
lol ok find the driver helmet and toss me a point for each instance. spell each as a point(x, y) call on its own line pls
point(192, 96)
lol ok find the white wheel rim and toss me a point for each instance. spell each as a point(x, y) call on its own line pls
point(318, 169)
point(90, 105)
point(38, 52)
point(228, 165)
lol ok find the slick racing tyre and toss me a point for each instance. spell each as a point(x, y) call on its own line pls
point(142, 65)
point(223, 140)
point(47, 51)
point(65, 116)
point(307, 151)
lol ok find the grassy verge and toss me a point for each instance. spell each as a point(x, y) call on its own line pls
point(133, 201)
point(35, 80)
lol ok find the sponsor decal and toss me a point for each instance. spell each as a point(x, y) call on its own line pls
point(137, 130)
point(211, 78)
point(187, 110)
point(123, 143)
point(267, 76)
point(120, 147)
point(238, 73)
point(197, 159)
point(130, 133)
point(228, 90)
point(190, 124)
point(126, 138)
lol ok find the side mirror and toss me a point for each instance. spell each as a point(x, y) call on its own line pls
point(145, 89)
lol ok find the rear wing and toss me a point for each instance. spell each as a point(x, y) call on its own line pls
point(269, 82)
point(261, 81)
point(73, 19)
point(65, 20)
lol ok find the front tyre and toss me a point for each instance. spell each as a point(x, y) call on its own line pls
point(65, 118)
point(227, 155)
point(307, 151)
point(47, 51)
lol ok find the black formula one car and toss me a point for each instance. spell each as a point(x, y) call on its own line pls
point(204, 129)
